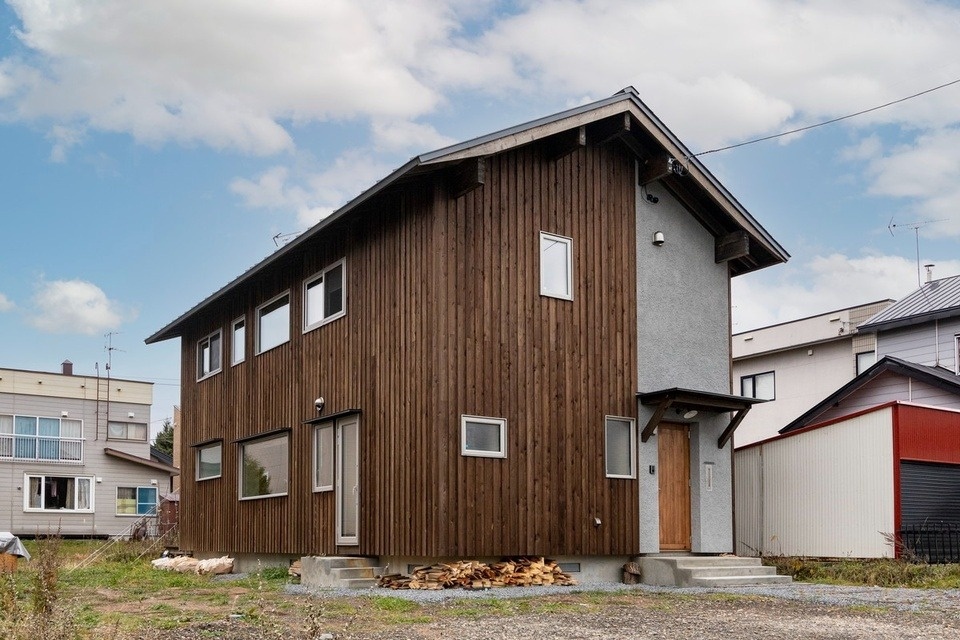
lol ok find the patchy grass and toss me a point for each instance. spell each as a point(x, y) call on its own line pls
point(880, 572)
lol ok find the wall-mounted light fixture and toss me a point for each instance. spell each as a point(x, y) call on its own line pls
point(131, 414)
point(688, 414)
point(64, 414)
point(658, 239)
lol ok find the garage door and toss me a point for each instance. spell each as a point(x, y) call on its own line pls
point(929, 494)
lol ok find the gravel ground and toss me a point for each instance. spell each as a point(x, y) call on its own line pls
point(815, 611)
point(796, 610)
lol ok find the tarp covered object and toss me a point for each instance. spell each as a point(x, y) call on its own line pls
point(11, 544)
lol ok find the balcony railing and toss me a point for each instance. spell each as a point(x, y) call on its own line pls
point(41, 448)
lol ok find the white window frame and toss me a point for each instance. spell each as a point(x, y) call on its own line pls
point(127, 425)
point(242, 445)
point(857, 360)
point(632, 426)
point(258, 321)
point(552, 237)
point(480, 453)
point(956, 354)
point(136, 502)
point(324, 456)
point(234, 360)
point(210, 445)
point(76, 484)
point(754, 377)
point(322, 292)
point(202, 371)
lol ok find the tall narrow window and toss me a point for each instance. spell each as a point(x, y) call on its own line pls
point(556, 266)
point(238, 345)
point(208, 355)
point(621, 450)
point(760, 386)
point(323, 458)
point(273, 323)
point(323, 296)
point(865, 360)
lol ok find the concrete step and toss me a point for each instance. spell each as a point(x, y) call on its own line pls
point(358, 583)
point(730, 570)
point(689, 570)
point(348, 573)
point(339, 571)
point(739, 581)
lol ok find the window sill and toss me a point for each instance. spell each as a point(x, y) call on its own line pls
point(325, 321)
point(556, 296)
point(209, 375)
point(209, 478)
point(260, 353)
point(269, 495)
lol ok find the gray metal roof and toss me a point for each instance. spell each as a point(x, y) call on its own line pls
point(933, 301)
point(517, 135)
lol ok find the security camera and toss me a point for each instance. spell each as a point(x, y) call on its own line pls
point(318, 403)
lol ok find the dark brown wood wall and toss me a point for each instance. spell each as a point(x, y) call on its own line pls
point(444, 318)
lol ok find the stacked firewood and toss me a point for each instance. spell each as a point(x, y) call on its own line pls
point(470, 574)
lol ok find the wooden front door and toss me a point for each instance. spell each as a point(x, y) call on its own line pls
point(673, 452)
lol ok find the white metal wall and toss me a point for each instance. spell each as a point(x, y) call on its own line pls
point(822, 493)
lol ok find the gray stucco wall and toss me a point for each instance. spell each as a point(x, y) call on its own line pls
point(683, 340)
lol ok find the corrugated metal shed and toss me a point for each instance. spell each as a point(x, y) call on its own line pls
point(934, 300)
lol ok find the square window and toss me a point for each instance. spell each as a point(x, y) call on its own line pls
point(208, 355)
point(238, 346)
point(323, 296)
point(620, 446)
point(136, 501)
point(209, 461)
point(323, 458)
point(273, 323)
point(264, 466)
point(483, 437)
point(556, 266)
point(760, 386)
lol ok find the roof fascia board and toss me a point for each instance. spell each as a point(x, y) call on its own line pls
point(170, 330)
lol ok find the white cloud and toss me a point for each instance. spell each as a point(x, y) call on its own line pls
point(823, 284)
point(927, 172)
point(404, 135)
point(313, 195)
point(220, 72)
point(5, 303)
point(63, 138)
point(74, 306)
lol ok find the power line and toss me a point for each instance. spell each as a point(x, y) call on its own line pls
point(826, 122)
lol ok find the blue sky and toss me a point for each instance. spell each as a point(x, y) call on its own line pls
point(151, 150)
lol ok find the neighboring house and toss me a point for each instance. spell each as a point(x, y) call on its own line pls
point(843, 486)
point(890, 380)
point(923, 327)
point(515, 345)
point(793, 365)
point(74, 454)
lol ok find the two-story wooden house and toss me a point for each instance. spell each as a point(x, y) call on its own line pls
point(515, 345)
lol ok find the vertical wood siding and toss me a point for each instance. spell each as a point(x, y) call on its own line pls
point(444, 318)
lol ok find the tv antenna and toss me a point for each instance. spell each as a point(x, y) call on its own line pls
point(281, 239)
point(916, 234)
